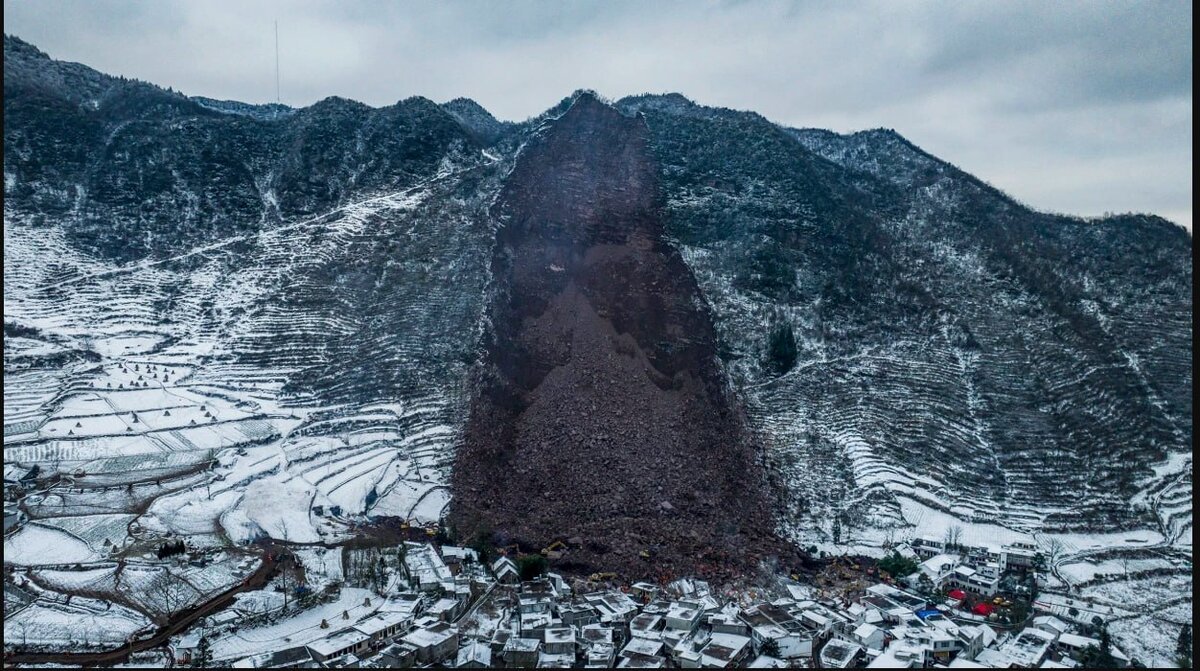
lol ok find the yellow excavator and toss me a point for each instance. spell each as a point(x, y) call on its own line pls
point(554, 550)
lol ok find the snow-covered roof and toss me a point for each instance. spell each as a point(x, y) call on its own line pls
point(455, 552)
point(865, 631)
point(423, 637)
point(522, 644)
point(475, 651)
point(336, 642)
point(642, 646)
point(381, 621)
point(1077, 641)
point(939, 565)
point(1051, 622)
point(722, 648)
point(559, 635)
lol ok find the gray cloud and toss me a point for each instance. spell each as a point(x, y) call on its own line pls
point(1080, 107)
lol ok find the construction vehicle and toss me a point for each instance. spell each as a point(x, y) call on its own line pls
point(554, 550)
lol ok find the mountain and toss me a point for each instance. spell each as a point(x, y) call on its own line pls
point(641, 326)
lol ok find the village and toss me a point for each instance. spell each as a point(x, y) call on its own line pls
point(422, 604)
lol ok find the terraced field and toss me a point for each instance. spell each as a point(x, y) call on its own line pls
point(278, 385)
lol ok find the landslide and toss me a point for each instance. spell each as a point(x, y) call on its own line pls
point(602, 415)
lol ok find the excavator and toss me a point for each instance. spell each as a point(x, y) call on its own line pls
point(554, 550)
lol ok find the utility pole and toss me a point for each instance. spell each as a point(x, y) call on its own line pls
point(277, 62)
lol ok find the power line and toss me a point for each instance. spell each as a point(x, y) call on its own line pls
point(277, 101)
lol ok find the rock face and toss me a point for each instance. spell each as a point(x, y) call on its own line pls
point(603, 411)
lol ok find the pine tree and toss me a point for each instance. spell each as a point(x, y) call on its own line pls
point(1184, 649)
point(203, 656)
point(781, 346)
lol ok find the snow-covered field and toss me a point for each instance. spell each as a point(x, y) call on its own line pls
point(298, 629)
point(190, 398)
point(80, 624)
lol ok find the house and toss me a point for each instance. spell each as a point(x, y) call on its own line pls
point(455, 557)
point(555, 660)
point(474, 655)
point(868, 636)
point(1028, 648)
point(433, 641)
point(1051, 625)
point(771, 622)
point(521, 652)
point(343, 642)
point(599, 648)
point(506, 571)
point(559, 641)
point(397, 656)
point(446, 609)
point(381, 627)
point(927, 547)
point(684, 616)
point(600, 657)
point(974, 581)
point(290, 658)
point(725, 651)
point(1018, 555)
point(726, 622)
point(767, 662)
point(647, 625)
point(1074, 645)
point(577, 613)
point(613, 606)
point(639, 661)
point(974, 638)
point(426, 570)
point(405, 604)
point(838, 654)
point(902, 654)
point(936, 569)
point(641, 646)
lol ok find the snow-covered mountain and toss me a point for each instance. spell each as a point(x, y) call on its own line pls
point(228, 321)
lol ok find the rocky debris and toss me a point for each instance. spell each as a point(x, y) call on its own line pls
point(603, 413)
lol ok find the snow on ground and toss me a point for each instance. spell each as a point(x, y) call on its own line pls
point(322, 566)
point(37, 545)
point(83, 622)
point(280, 506)
point(1120, 539)
point(1143, 594)
point(1083, 571)
point(299, 629)
point(95, 529)
point(1146, 639)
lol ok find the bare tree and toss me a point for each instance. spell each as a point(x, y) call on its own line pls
point(170, 592)
point(953, 536)
point(1054, 549)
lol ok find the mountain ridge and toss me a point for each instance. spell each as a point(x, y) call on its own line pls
point(953, 350)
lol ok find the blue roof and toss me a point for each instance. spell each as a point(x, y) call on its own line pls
point(928, 612)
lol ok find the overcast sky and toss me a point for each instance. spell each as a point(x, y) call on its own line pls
point(1080, 108)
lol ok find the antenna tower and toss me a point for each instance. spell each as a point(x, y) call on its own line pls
point(277, 62)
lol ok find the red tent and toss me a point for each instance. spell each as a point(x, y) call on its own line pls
point(957, 594)
point(982, 609)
